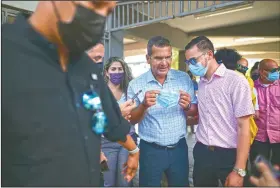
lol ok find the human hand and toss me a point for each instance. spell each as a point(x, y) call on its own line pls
point(150, 98)
point(126, 108)
point(234, 180)
point(131, 166)
point(184, 100)
point(102, 157)
point(266, 179)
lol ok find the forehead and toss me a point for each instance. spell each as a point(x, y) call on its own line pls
point(116, 64)
point(243, 63)
point(192, 52)
point(161, 51)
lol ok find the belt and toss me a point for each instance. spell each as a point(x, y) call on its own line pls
point(164, 147)
point(215, 148)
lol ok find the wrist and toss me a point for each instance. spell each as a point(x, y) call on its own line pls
point(134, 151)
point(241, 172)
point(144, 106)
point(188, 107)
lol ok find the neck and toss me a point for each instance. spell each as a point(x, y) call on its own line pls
point(49, 33)
point(160, 79)
point(265, 81)
point(211, 69)
point(114, 87)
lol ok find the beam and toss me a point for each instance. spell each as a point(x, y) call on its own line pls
point(270, 47)
point(269, 28)
point(177, 37)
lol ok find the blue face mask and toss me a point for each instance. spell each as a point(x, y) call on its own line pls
point(198, 69)
point(273, 76)
point(168, 99)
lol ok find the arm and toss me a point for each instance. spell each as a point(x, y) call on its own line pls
point(138, 114)
point(241, 97)
point(243, 143)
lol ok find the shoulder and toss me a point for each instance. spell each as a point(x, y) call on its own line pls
point(179, 74)
point(139, 80)
point(236, 77)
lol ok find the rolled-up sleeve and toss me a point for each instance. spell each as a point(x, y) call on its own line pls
point(118, 127)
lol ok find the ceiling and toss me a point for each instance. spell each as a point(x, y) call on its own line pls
point(261, 10)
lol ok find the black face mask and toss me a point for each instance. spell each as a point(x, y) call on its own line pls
point(84, 31)
point(255, 76)
point(100, 65)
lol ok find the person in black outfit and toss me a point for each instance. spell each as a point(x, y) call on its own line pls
point(49, 138)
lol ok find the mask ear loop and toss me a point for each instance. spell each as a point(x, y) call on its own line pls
point(56, 11)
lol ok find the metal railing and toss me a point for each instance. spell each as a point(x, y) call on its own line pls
point(131, 14)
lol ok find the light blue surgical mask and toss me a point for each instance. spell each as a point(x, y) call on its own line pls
point(168, 99)
point(198, 69)
point(273, 76)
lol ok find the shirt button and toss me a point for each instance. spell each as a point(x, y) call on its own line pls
point(77, 105)
point(85, 137)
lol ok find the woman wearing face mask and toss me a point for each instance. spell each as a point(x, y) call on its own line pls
point(117, 75)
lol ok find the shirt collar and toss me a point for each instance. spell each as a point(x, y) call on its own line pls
point(150, 76)
point(258, 83)
point(220, 72)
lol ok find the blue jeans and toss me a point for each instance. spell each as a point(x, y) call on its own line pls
point(156, 160)
point(117, 156)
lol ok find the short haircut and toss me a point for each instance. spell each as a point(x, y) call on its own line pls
point(157, 41)
point(202, 43)
point(229, 57)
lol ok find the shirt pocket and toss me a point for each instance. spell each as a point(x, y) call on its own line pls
point(275, 97)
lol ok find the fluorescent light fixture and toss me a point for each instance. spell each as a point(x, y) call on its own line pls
point(248, 39)
point(222, 12)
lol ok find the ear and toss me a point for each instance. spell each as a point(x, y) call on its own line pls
point(106, 74)
point(148, 58)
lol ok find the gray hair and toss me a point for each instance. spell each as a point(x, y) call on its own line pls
point(157, 41)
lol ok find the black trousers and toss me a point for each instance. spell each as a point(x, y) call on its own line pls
point(212, 164)
point(266, 149)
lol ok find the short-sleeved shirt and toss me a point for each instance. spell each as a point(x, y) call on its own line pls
point(163, 126)
point(46, 132)
point(221, 100)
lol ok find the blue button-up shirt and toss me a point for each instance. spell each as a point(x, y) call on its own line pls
point(163, 126)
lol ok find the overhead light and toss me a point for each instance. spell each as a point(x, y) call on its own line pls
point(222, 12)
point(248, 39)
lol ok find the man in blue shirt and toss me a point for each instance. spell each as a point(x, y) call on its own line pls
point(162, 130)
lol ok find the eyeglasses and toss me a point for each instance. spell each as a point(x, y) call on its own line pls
point(193, 60)
point(273, 70)
point(91, 101)
point(241, 68)
point(160, 59)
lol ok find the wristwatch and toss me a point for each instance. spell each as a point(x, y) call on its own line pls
point(240, 171)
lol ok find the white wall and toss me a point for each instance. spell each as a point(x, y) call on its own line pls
point(26, 5)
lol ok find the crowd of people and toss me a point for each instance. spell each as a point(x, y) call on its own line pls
point(67, 115)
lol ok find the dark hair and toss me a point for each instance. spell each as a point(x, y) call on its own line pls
point(190, 74)
point(255, 67)
point(157, 41)
point(202, 43)
point(229, 57)
point(127, 72)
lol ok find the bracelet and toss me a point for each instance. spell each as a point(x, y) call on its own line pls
point(134, 151)
point(188, 107)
